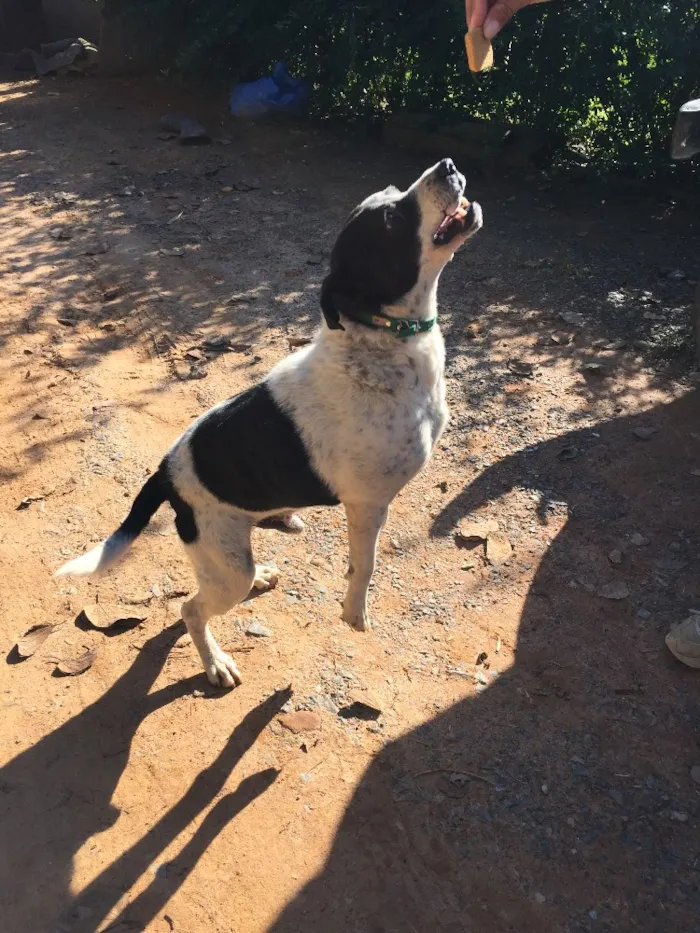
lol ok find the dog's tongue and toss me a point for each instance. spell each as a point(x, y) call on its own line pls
point(459, 214)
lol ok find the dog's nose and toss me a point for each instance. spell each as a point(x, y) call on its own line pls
point(446, 168)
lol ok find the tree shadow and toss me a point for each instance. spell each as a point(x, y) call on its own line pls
point(184, 262)
point(57, 794)
point(559, 798)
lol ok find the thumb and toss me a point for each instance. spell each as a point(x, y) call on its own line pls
point(500, 14)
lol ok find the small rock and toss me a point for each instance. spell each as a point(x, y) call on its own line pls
point(676, 275)
point(298, 341)
point(521, 368)
point(321, 701)
point(573, 318)
point(595, 369)
point(110, 293)
point(643, 614)
point(258, 630)
point(568, 453)
point(639, 540)
point(618, 589)
point(540, 898)
point(97, 249)
point(695, 773)
point(197, 693)
point(593, 914)
point(615, 556)
point(219, 342)
point(498, 550)
point(60, 233)
point(183, 641)
point(301, 721)
point(679, 816)
point(476, 531)
point(645, 434)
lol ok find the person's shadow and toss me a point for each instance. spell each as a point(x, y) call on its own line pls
point(57, 794)
point(560, 798)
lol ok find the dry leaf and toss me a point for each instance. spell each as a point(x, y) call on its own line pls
point(105, 616)
point(34, 638)
point(618, 589)
point(79, 664)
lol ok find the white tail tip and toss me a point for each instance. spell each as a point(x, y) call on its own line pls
point(98, 559)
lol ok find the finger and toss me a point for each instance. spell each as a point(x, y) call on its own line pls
point(476, 12)
point(500, 14)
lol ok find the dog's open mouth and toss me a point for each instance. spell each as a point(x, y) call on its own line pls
point(454, 223)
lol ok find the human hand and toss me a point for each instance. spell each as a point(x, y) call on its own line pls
point(493, 15)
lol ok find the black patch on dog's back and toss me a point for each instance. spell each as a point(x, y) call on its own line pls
point(248, 452)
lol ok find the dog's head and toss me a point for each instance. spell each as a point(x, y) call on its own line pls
point(394, 245)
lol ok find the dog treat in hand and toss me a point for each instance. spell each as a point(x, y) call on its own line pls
point(479, 50)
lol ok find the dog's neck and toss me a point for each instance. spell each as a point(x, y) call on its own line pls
point(420, 304)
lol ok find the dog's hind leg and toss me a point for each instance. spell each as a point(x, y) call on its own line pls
point(364, 524)
point(223, 562)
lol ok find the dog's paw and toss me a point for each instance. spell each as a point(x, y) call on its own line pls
point(357, 619)
point(293, 523)
point(265, 578)
point(222, 671)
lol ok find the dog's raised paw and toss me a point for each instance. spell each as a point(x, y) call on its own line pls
point(265, 578)
point(222, 671)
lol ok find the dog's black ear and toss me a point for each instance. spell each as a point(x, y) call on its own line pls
point(328, 305)
point(338, 298)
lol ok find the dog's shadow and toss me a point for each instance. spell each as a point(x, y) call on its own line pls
point(57, 794)
point(559, 799)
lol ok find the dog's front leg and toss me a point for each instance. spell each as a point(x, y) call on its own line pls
point(364, 524)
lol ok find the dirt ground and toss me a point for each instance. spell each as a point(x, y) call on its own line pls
point(523, 761)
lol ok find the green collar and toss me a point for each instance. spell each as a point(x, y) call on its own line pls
point(398, 326)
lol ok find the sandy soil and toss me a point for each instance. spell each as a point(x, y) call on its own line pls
point(528, 764)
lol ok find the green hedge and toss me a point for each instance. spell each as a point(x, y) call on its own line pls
point(609, 75)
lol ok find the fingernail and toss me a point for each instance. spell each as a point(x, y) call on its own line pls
point(491, 27)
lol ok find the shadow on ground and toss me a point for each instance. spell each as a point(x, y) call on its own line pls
point(560, 798)
point(57, 795)
point(235, 239)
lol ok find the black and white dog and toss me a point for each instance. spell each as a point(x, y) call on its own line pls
point(349, 419)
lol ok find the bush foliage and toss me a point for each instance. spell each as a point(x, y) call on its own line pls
point(609, 74)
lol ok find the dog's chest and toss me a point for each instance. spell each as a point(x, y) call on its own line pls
point(370, 419)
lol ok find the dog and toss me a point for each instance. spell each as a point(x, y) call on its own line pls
point(349, 419)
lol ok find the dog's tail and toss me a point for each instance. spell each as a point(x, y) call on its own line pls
point(152, 495)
